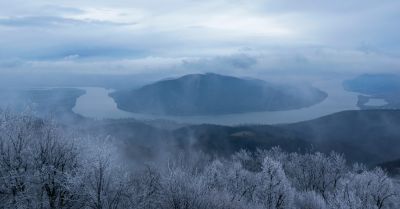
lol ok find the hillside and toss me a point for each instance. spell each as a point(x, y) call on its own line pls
point(51, 102)
point(376, 86)
point(369, 136)
point(213, 94)
point(392, 167)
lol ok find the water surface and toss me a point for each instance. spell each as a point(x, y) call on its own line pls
point(97, 104)
point(376, 102)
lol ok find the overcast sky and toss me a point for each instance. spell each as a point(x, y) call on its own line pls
point(178, 36)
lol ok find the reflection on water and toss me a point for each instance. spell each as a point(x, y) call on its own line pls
point(97, 104)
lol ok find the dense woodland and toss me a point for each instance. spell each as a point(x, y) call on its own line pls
point(44, 166)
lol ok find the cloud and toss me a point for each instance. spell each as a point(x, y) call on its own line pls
point(221, 63)
point(236, 36)
point(279, 62)
point(59, 9)
point(321, 7)
point(52, 21)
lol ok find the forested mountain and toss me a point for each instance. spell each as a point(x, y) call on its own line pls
point(210, 94)
point(367, 136)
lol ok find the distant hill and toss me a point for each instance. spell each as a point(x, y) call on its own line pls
point(212, 94)
point(225, 140)
point(376, 86)
point(392, 167)
point(368, 136)
point(52, 102)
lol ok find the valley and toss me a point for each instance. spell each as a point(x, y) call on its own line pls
point(96, 103)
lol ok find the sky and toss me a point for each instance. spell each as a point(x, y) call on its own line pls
point(241, 37)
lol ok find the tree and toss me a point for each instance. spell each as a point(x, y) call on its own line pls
point(316, 172)
point(146, 188)
point(274, 190)
point(56, 161)
point(16, 137)
point(374, 188)
point(38, 164)
point(43, 166)
point(309, 200)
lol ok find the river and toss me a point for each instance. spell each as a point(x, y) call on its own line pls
point(97, 104)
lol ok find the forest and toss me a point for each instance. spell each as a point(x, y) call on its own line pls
point(45, 165)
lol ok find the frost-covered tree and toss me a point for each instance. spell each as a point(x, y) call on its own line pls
point(146, 189)
point(273, 191)
point(309, 200)
point(369, 189)
point(16, 156)
point(43, 166)
point(106, 182)
point(316, 172)
point(57, 167)
point(38, 164)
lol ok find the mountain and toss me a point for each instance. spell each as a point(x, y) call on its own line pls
point(226, 140)
point(213, 94)
point(393, 167)
point(376, 86)
point(367, 136)
point(51, 102)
